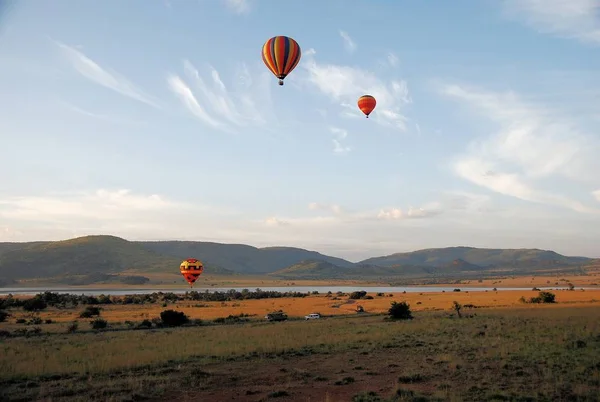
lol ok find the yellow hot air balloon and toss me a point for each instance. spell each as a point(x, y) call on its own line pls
point(191, 269)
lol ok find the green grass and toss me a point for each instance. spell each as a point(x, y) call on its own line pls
point(541, 353)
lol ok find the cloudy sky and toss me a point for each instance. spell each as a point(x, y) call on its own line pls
point(157, 120)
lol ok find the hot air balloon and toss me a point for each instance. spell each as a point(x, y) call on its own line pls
point(191, 269)
point(366, 104)
point(281, 55)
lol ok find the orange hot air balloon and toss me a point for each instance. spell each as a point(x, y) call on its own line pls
point(281, 54)
point(366, 104)
point(191, 269)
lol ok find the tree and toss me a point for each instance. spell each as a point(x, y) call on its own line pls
point(34, 304)
point(400, 311)
point(457, 307)
point(172, 318)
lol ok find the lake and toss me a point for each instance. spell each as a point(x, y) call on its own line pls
point(302, 289)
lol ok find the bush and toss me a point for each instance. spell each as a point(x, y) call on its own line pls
point(3, 315)
point(172, 318)
point(370, 396)
point(543, 297)
point(89, 312)
point(72, 327)
point(357, 295)
point(98, 323)
point(34, 304)
point(400, 311)
point(145, 324)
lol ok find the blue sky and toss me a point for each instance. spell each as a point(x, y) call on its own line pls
point(158, 120)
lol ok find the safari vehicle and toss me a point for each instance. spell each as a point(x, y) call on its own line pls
point(276, 316)
point(312, 316)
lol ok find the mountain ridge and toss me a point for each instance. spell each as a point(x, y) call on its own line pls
point(91, 258)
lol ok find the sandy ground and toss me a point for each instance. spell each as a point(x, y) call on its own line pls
point(299, 307)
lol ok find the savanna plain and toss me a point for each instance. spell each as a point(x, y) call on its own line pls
point(437, 346)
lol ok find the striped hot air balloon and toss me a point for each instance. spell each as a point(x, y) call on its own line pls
point(281, 54)
point(191, 269)
point(366, 104)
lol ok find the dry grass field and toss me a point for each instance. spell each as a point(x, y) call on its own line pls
point(502, 350)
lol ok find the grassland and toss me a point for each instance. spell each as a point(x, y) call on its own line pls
point(501, 350)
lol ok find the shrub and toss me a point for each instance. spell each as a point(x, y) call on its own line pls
point(172, 318)
point(72, 327)
point(35, 321)
point(357, 295)
point(89, 312)
point(547, 297)
point(543, 297)
point(370, 396)
point(98, 323)
point(145, 324)
point(3, 315)
point(34, 304)
point(400, 311)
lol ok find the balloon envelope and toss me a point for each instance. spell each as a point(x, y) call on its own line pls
point(281, 54)
point(191, 269)
point(366, 104)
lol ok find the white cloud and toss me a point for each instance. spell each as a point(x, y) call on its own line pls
point(238, 6)
point(428, 210)
point(119, 212)
point(340, 135)
point(596, 194)
point(218, 106)
point(393, 59)
point(345, 84)
point(112, 80)
point(273, 221)
point(532, 145)
point(348, 42)
point(576, 19)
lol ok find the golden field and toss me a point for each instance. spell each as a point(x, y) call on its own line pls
point(530, 352)
point(301, 306)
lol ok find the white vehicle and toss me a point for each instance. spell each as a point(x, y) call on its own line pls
point(312, 316)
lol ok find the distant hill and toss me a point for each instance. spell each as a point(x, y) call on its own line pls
point(89, 259)
point(313, 269)
point(480, 257)
point(110, 259)
point(240, 257)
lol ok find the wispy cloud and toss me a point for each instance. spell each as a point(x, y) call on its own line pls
point(596, 194)
point(112, 80)
point(238, 6)
point(344, 84)
point(425, 211)
point(532, 144)
point(392, 59)
point(214, 104)
point(106, 211)
point(339, 135)
point(578, 19)
point(99, 116)
point(273, 221)
point(349, 44)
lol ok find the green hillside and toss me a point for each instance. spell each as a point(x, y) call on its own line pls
point(84, 260)
point(110, 259)
point(240, 257)
point(313, 269)
point(486, 258)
